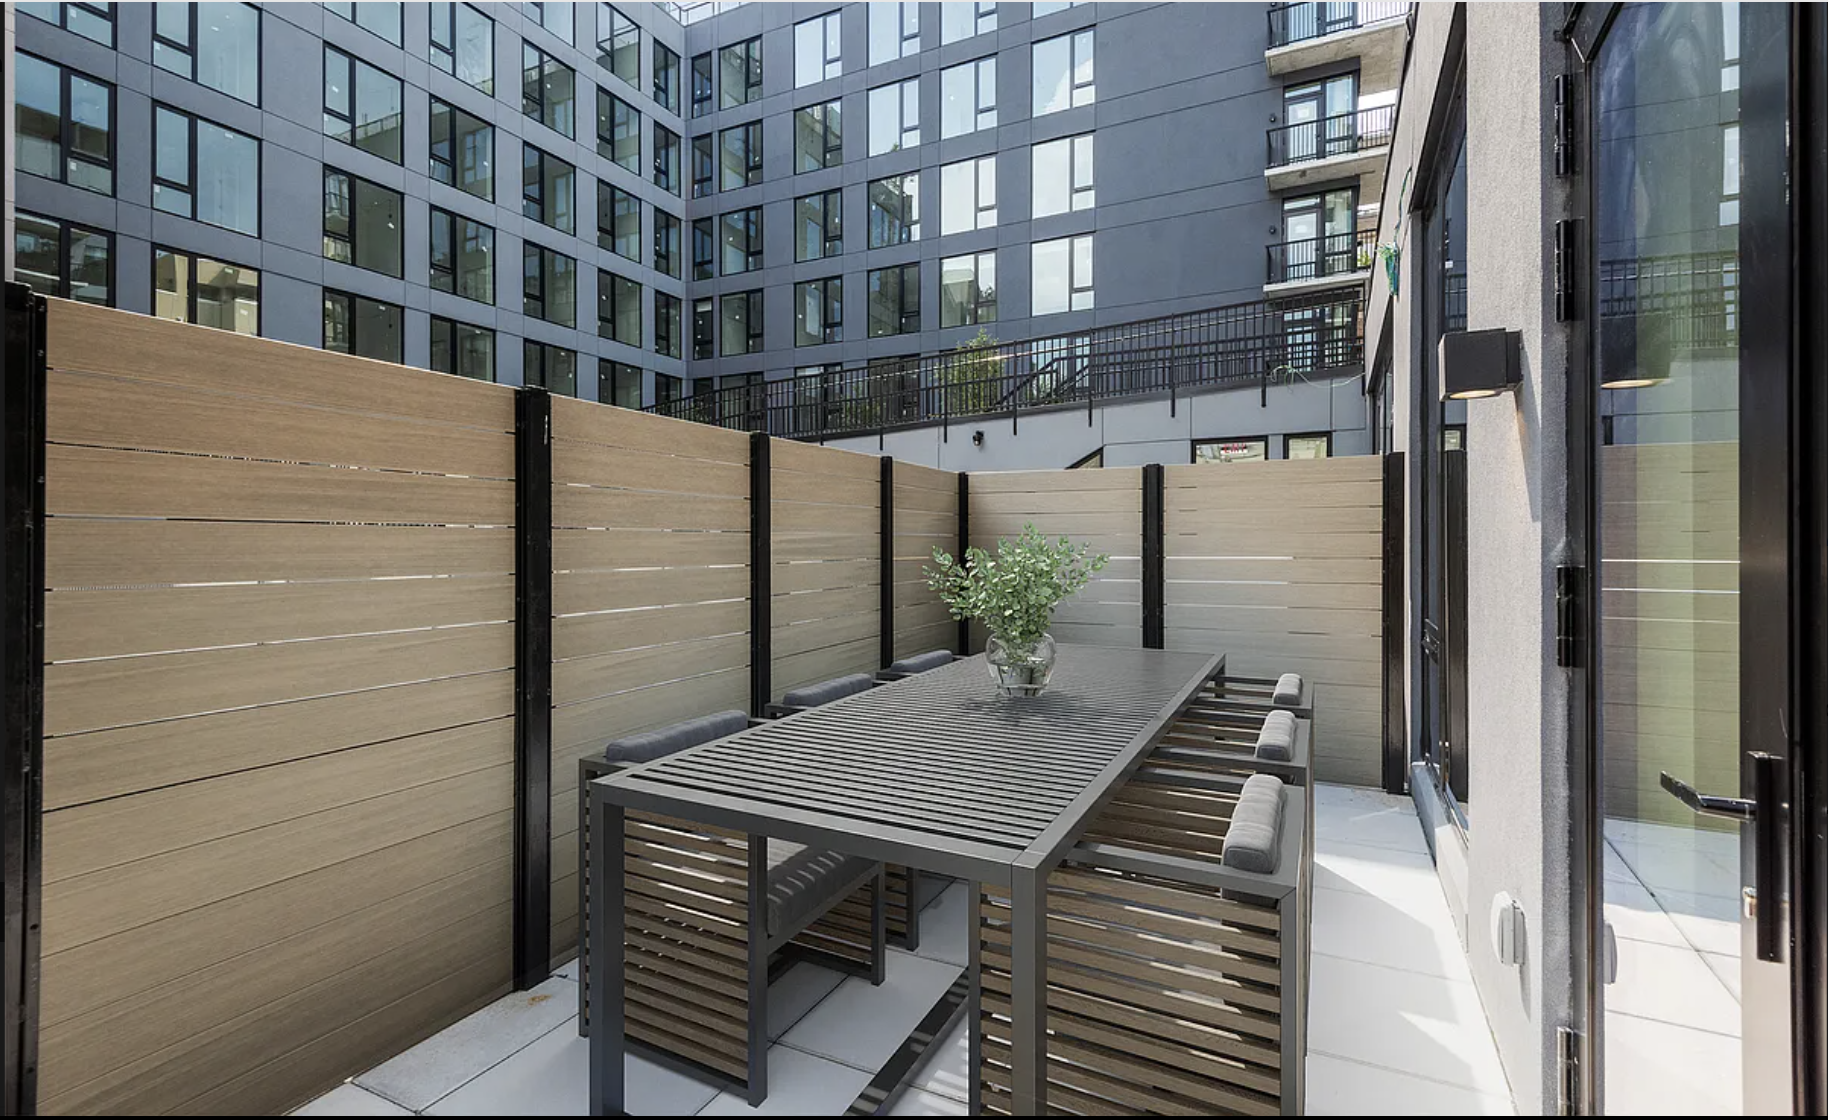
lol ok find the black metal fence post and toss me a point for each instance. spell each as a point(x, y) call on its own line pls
point(964, 542)
point(532, 687)
point(22, 581)
point(886, 625)
point(1154, 560)
point(761, 585)
point(1396, 731)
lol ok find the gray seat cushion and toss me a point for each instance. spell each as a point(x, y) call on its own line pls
point(1276, 741)
point(803, 881)
point(826, 691)
point(1288, 690)
point(921, 662)
point(1253, 841)
point(674, 738)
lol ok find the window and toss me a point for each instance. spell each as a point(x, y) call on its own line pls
point(549, 285)
point(1230, 450)
point(704, 248)
point(618, 221)
point(818, 49)
point(968, 195)
point(63, 125)
point(704, 166)
point(550, 367)
point(618, 309)
point(203, 171)
point(463, 151)
point(1062, 279)
point(1063, 73)
point(666, 77)
point(618, 45)
point(666, 158)
point(895, 210)
point(362, 105)
point(968, 290)
point(894, 300)
point(742, 238)
point(548, 189)
point(366, 328)
point(895, 117)
point(818, 226)
point(741, 67)
point(818, 137)
point(1311, 446)
point(462, 256)
point(968, 97)
point(666, 244)
point(548, 91)
point(206, 292)
point(64, 259)
point(91, 21)
point(962, 21)
point(362, 223)
point(1049, 9)
point(463, 350)
point(894, 32)
point(214, 45)
point(704, 329)
point(555, 18)
point(818, 311)
point(667, 389)
point(381, 19)
point(1063, 176)
point(666, 325)
point(618, 131)
point(740, 154)
point(619, 383)
point(1094, 461)
point(741, 323)
point(463, 46)
point(704, 88)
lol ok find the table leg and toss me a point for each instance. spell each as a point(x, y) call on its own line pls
point(1028, 991)
point(607, 1043)
point(974, 1004)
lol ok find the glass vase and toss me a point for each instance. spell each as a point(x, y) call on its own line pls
point(1020, 671)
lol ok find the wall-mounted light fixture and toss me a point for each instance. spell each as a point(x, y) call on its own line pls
point(1476, 364)
point(1634, 351)
point(977, 438)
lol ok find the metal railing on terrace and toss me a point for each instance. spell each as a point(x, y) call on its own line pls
point(1339, 135)
point(1297, 23)
point(1238, 345)
point(1692, 299)
point(688, 14)
point(1316, 258)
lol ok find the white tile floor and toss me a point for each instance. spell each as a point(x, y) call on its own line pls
point(1395, 1025)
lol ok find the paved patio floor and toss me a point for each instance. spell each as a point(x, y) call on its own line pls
point(1395, 1024)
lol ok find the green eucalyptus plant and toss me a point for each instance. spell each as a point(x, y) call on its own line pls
point(1014, 592)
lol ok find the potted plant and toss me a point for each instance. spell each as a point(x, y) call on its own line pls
point(1014, 593)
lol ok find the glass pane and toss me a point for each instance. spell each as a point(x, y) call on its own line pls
point(1230, 451)
point(170, 285)
point(39, 117)
point(1050, 281)
point(377, 229)
point(228, 179)
point(37, 252)
point(228, 49)
point(228, 297)
point(377, 112)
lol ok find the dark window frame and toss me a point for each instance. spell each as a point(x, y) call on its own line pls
point(704, 165)
point(103, 12)
point(65, 246)
point(668, 329)
point(617, 196)
point(827, 59)
point(754, 323)
point(1326, 437)
point(190, 288)
point(546, 350)
point(612, 374)
point(900, 86)
point(978, 88)
point(189, 51)
point(454, 325)
point(620, 113)
point(354, 351)
point(191, 188)
point(444, 55)
point(752, 240)
point(904, 35)
point(666, 175)
point(907, 318)
point(1193, 448)
point(909, 227)
point(538, 201)
point(669, 258)
point(608, 295)
point(704, 314)
point(751, 136)
point(668, 389)
point(66, 149)
point(832, 154)
point(606, 60)
point(350, 117)
point(354, 18)
point(356, 182)
point(831, 302)
point(704, 248)
point(751, 88)
point(539, 10)
point(975, 307)
point(831, 243)
point(542, 277)
point(453, 238)
point(450, 166)
point(665, 89)
point(533, 106)
point(704, 84)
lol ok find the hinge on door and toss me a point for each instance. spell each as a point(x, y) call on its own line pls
point(1568, 1087)
point(1564, 125)
point(1570, 584)
point(1564, 270)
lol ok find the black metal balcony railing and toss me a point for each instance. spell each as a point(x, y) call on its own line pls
point(1691, 299)
point(1331, 136)
point(1316, 258)
point(1297, 23)
point(1238, 345)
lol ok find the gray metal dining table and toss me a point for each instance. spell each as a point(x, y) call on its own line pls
point(934, 771)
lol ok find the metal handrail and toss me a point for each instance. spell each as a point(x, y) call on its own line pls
point(1298, 23)
point(1315, 258)
point(1331, 136)
point(1250, 344)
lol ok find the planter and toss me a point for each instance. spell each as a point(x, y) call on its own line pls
point(1020, 672)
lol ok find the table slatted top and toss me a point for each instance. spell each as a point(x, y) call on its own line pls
point(936, 762)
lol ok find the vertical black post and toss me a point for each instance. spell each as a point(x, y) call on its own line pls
point(964, 542)
point(532, 687)
point(22, 581)
point(761, 585)
point(1154, 560)
point(887, 624)
point(1396, 732)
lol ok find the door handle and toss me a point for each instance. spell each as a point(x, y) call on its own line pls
point(1765, 810)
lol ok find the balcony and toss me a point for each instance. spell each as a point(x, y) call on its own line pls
point(1347, 146)
point(1310, 264)
point(1307, 35)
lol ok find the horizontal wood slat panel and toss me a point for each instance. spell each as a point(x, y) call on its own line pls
point(809, 605)
point(601, 549)
point(586, 507)
point(791, 455)
point(859, 656)
point(587, 678)
point(574, 419)
point(822, 633)
point(588, 725)
point(787, 578)
point(801, 517)
point(1053, 482)
point(849, 544)
point(922, 477)
point(623, 468)
point(586, 635)
point(575, 592)
point(799, 487)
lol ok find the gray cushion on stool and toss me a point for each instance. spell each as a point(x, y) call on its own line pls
point(1276, 741)
point(674, 738)
point(802, 881)
point(1252, 842)
point(826, 691)
point(1288, 689)
point(921, 662)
